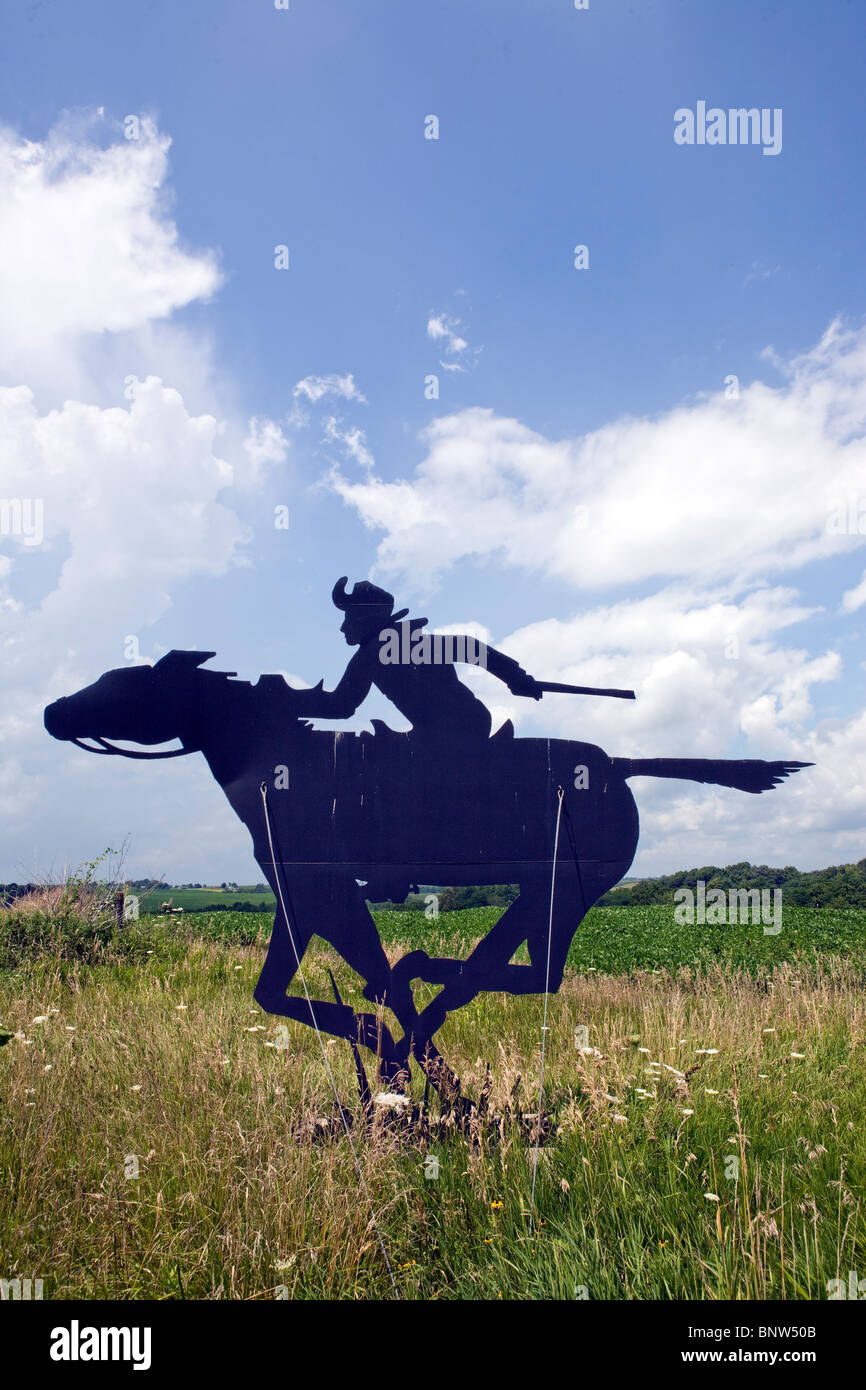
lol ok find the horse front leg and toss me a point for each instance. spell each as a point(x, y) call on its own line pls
point(289, 941)
point(330, 906)
point(340, 1020)
point(358, 942)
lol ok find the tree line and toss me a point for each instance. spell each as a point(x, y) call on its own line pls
point(841, 885)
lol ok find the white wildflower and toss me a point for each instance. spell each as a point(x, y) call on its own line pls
point(390, 1101)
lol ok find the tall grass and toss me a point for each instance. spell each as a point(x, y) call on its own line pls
point(156, 1142)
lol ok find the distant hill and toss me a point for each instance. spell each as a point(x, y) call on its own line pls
point(842, 885)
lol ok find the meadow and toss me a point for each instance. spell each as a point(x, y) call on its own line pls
point(158, 1140)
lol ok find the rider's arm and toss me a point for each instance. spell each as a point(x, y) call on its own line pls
point(350, 692)
point(504, 668)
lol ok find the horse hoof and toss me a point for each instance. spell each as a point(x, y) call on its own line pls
point(408, 968)
point(432, 970)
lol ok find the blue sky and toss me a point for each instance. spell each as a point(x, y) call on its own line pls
point(600, 388)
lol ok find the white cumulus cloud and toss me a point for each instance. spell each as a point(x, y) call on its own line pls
point(133, 486)
point(87, 244)
point(705, 506)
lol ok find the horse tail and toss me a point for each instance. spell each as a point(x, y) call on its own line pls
point(744, 774)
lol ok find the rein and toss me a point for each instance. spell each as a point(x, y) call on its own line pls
point(128, 752)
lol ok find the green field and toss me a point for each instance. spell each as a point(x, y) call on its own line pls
point(156, 1140)
point(200, 899)
point(610, 939)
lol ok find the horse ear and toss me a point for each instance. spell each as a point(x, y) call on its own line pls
point(177, 661)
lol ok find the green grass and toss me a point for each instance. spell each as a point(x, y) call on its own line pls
point(151, 1046)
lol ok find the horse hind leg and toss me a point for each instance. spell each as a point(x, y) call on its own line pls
point(558, 908)
point(529, 920)
point(490, 968)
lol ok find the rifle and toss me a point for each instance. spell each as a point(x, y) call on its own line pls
point(557, 688)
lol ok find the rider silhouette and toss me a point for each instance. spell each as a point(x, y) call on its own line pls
point(416, 676)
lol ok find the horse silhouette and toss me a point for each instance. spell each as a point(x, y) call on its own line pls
point(339, 818)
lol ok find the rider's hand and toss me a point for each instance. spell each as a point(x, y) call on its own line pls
point(524, 684)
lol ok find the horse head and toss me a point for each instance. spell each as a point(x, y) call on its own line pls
point(140, 704)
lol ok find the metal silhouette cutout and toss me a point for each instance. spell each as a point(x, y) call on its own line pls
point(339, 818)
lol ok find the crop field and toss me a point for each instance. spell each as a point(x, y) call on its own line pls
point(159, 1139)
point(616, 940)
